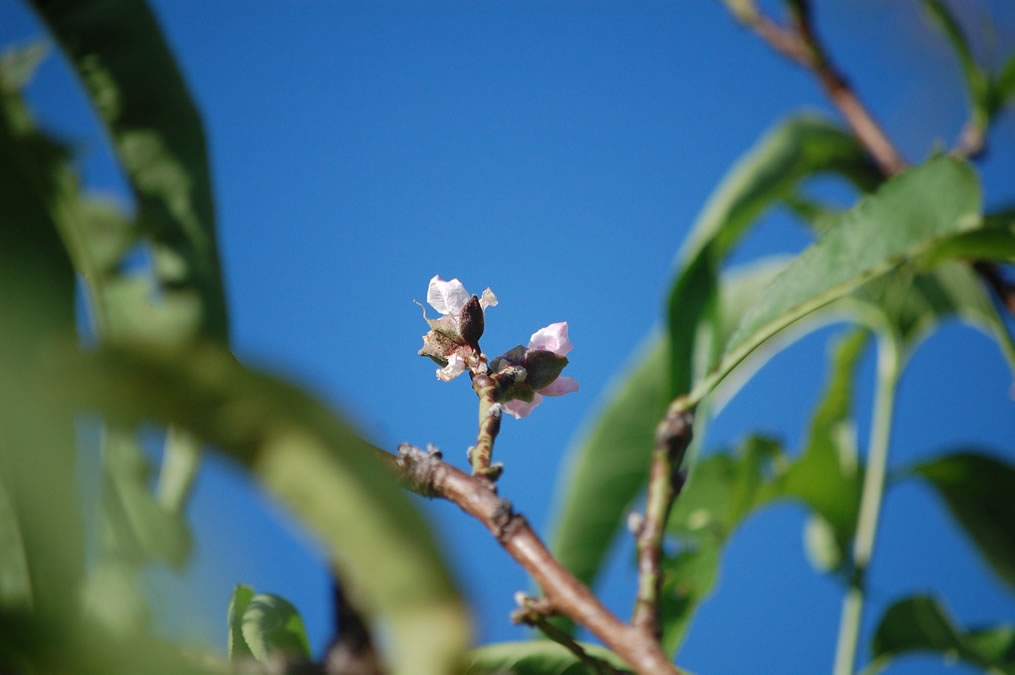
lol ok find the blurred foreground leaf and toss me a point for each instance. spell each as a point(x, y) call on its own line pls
point(125, 65)
point(271, 625)
point(920, 624)
point(312, 461)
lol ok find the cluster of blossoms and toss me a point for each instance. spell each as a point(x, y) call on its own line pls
point(523, 375)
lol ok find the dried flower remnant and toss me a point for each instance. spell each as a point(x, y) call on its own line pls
point(453, 340)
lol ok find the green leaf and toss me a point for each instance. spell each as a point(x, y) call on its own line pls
point(536, 657)
point(976, 80)
point(611, 459)
point(312, 462)
point(19, 63)
point(994, 241)
point(136, 526)
point(768, 173)
point(271, 625)
point(237, 646)
point(907, 216)
point(920, 624)
point(1004, 85)
point(125, 65)
point(977, 489)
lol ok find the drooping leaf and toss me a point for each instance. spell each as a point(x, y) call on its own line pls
point(236, 647)
point(920, 624)
point(125, 65)
point(1004, 85)
point(271, 625)
point(312, 462)
point(977, 489)
point(766, 174)
point(537, 657)
point(905, 218)
point(610, 461)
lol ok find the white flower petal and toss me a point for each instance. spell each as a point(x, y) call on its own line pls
point(552, 338)
point(520, 409)
point(455, 367)
point(488, 299)
point(562, 385)
point(447, 297)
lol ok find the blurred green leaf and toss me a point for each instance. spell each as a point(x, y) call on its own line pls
point(271, 625)
point(976, 80)
point(309, 459)
point(1004, 85)
point(920, 624)
point(536, 657)
point(137, 525)
point(977, 489)
point(768, 173)
point(994, 241)
point(906, 216)
point(113, 599)
point(18, 64)
point(237, 646)
point(125, 65)
point(823, 550)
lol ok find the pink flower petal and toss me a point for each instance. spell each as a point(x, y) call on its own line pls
point(520, 409)
point(447, 297)
point(562, 385)
point(552, 338)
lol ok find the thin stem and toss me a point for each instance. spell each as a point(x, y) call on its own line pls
point(870, 504)
point(673, 435)
point(481, 454)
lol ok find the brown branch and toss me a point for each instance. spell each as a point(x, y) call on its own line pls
point(427, 474)
point(802, 46)
point(673, 435)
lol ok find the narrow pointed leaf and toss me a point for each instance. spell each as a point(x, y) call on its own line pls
point(977, 489)
point(974, 76)
point(906, 217)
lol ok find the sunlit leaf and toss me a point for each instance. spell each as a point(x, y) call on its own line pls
point(537, 657)
point(271, 625)
point(977, 489)
point(15, 587)
point(313, 463)
point(125, 65)
point(920, 624)
point(766, 174)
point(906, 216)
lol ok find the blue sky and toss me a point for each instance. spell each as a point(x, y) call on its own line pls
point(557, 152)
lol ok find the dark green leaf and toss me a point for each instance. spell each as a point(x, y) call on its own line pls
point(1004, 85)
point(536, 657)
point(907, 216)
point(977, 489)
point(119, 53)
point(309, 459)
point(237, 646)
point(994, 241)
point(271, 625)
point(920, 624)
